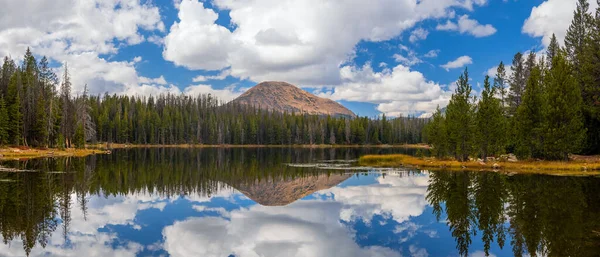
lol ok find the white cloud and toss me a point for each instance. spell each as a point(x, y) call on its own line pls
point(418, 34)
point(159, 81)
point(78, 32)
point(291, 40)
point(469, 26)
point(458, 63)
point(221, 76)
point(409, 60)
point(397, 91)
point(552, 17)
point(195, 41)
point(137, 59)
point(432, 53)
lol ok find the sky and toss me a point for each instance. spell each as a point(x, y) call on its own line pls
point(398, 57)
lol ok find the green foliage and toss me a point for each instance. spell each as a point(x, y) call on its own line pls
point(437, 135)
point(564, 125)
point(517, 84)
point(3, 122)
point(459, 119)
point(529, 119)
point(61, 142)
point(79, 137)
point(490, 122)
point(500, 83)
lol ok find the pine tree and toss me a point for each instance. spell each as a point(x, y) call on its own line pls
point(79, 137)
point(459, 120)
point(4, 139)
point(500, 83)
point(553, 49)
point(564, 125)
point(15, 118)
point(529, 118)
point(529, 64)
point(437, 135)
point(489, 122)
point(67, 117)
point(590, 85)
point(576, 34)
point(517, 84)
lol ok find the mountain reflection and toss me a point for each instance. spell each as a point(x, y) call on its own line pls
point(241, 202)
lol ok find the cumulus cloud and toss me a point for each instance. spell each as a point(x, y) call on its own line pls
point(398, 91)
point(468, 26)
point(78, 32)
point(552, 17)
point(458, 63)
point(195, 41)
point(418, 34)
point(292, 40)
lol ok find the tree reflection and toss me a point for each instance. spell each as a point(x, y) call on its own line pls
point(34, 204)
point(543, 215)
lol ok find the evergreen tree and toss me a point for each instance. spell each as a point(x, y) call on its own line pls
point(553, 49)
point(79, 137)
point(564, 126)
point(489, 122)
point(15, 118)
point(459, 119)
point(3, 122)
point(67, 119)
point(500, 83)
point(530, 118)
point(576, 34)
point(590, 86)
point(529, 64)
point(517, 84)
point(437, 135)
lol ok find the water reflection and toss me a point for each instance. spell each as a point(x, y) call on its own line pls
point(249, 203)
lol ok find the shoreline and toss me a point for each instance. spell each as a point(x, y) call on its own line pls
point(520, 167)
point(18, 153)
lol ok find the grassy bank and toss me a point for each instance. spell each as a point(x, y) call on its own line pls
point(25, 153)
point(578, 167)
point(120, 146)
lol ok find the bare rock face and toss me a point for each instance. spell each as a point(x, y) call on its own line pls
point(285, 191)
point(282, 97)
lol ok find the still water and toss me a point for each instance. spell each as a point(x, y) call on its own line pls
point(252, 202)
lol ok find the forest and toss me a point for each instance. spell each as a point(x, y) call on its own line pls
point(38, 109)
point(547, 108)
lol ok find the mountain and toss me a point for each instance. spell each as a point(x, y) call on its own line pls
point(281, 192)
point(282, 96)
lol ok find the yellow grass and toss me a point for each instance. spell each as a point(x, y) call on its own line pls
point(541, 167)
point(24, 154)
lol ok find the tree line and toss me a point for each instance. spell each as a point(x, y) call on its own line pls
point(547, 108)
point(37, 109)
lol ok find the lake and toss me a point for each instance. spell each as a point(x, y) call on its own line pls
point(287, 202)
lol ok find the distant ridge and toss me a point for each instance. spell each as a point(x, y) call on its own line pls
point(282, 96)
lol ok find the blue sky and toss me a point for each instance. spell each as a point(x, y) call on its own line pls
point(399, 57)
